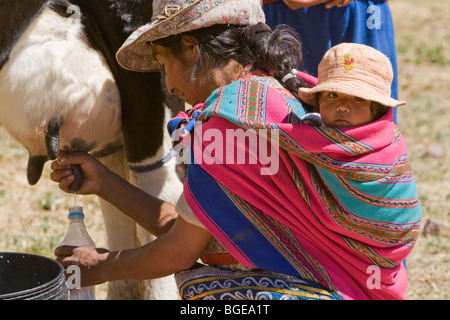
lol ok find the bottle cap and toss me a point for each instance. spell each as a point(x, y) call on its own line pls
point(76, 211)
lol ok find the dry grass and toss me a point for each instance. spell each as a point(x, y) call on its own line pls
point(423, 44)
point(33, 219)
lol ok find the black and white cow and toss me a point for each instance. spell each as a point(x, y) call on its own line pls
point(61, 87)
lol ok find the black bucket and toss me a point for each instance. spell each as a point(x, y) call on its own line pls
point(31, 277)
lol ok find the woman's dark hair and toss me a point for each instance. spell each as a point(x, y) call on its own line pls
point(275, 52)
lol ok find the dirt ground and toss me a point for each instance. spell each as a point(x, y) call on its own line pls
point(33, 219)
point(424, 76)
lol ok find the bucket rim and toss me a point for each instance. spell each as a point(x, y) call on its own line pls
point(32, 291)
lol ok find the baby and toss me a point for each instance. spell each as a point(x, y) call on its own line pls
point(354, 87)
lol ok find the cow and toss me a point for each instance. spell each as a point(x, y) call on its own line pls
point(61, 88)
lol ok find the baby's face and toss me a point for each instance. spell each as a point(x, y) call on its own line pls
point(340, 110)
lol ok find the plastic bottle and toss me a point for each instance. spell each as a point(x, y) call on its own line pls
point(78, 236)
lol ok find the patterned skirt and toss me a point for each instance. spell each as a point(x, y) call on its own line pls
point(213, 283)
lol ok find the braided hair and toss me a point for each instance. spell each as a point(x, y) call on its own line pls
point(276, 52)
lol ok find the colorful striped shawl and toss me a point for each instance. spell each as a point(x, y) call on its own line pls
point(341, 210)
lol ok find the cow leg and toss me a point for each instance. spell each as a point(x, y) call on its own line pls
point(123, 233)
point(120, 231)
point(156, 289)
point(164, 184)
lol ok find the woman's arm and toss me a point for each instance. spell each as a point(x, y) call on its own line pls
point(175, 251)
point(151, 213)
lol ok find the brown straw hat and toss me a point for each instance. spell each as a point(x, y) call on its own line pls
point(356, 70)
point(172, 17)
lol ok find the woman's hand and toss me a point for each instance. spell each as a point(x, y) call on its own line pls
point(297, 4)
point(91, 262)
point(94, 173)
point(166, 255)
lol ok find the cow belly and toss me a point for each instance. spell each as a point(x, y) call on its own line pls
point(52, 73)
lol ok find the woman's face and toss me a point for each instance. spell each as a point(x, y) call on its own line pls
point(340, 110)
point(178, 73)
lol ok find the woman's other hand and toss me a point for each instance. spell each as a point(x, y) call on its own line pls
point(89, 260)
point(166, 255)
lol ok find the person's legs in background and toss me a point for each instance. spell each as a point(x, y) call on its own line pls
point(365, 22)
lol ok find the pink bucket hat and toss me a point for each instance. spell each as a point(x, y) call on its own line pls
point(356, 70)
point(172, 17)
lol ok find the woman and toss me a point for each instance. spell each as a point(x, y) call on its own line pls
point(264, 229)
